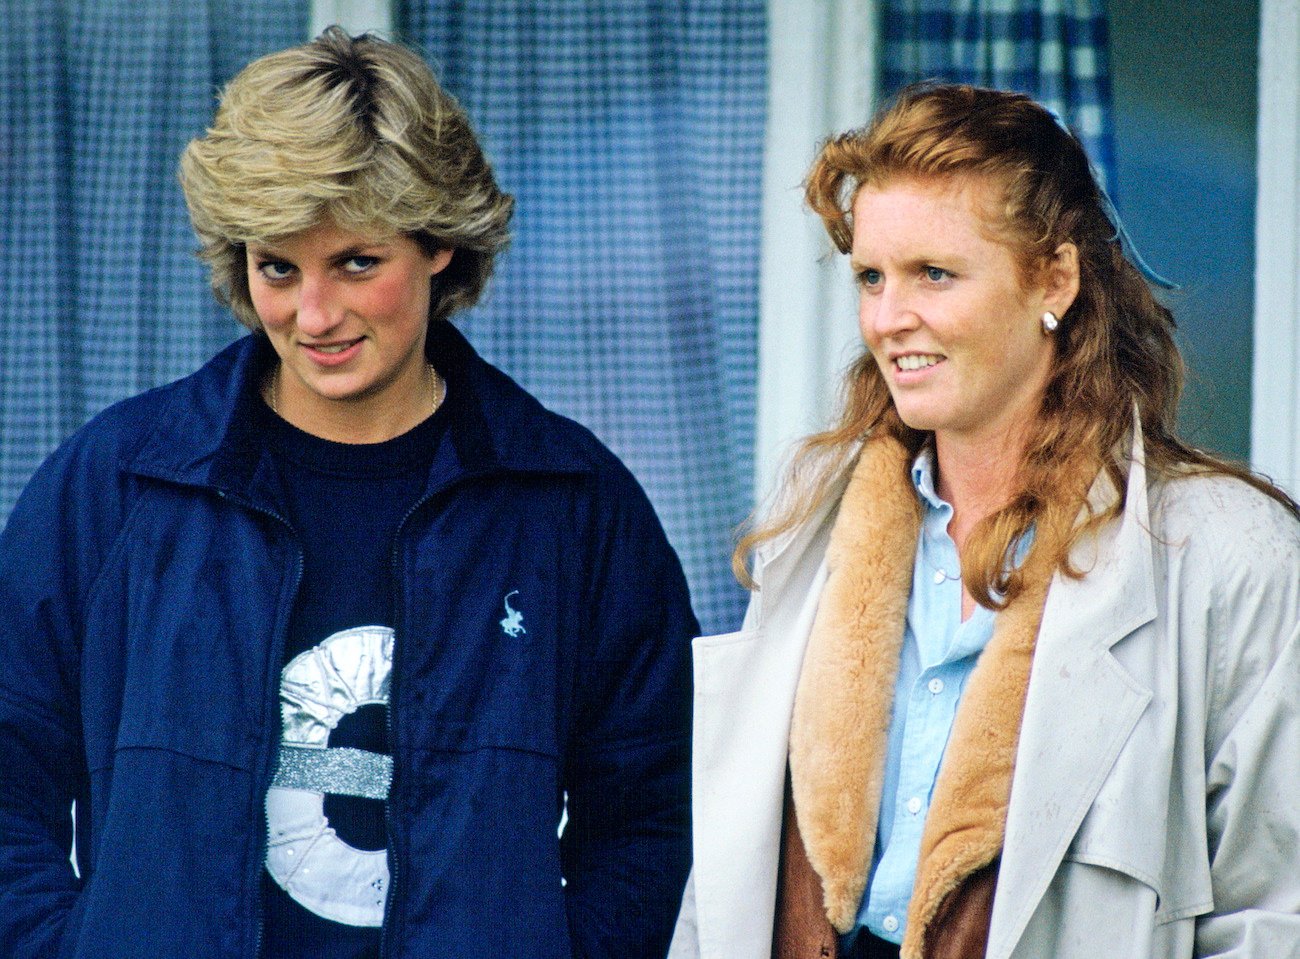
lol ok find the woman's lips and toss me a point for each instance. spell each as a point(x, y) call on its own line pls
point(914, 367)
point(917, 361)
point(332, 354)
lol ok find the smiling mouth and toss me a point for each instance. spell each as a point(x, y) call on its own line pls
point(332, 348)
point(917, 361)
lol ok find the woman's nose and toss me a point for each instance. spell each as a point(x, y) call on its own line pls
point(319, 308)
point(886, 313)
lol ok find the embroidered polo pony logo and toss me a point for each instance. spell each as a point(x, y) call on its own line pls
point(513, 624)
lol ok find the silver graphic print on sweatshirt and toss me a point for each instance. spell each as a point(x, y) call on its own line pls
point(308, 860)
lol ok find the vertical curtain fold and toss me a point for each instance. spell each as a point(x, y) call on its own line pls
point(631, 133)
point(104, 296)
point(38, 365)
point(1055, 50)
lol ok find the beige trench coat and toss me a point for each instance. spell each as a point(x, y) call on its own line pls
point(1155, 807)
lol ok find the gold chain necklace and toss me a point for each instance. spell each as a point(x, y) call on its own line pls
point(436, 383)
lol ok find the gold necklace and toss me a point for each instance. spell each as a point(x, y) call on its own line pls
point(436, 383)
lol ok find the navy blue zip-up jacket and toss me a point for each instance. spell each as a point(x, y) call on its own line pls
point(146, 580)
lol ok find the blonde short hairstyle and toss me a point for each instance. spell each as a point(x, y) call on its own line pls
point(353, 130)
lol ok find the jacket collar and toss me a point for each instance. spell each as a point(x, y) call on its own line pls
point(842, 705)
point(203, 434)
point(840, 717)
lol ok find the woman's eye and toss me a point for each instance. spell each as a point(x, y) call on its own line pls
point(275, 269)
point(936, 274)
point(360, 264)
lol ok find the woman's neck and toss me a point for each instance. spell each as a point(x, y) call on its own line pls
point(977, 478)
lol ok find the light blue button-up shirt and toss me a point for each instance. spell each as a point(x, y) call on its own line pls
point(939, 652)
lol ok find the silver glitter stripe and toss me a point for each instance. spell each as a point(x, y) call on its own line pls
point(340, 772)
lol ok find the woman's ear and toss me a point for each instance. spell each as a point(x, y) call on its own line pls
point(440, 261)
point(1061, 279)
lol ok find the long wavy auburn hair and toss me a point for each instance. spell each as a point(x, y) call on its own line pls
point(1114, 353)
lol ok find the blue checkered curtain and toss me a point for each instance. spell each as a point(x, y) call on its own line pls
point(631, 132)
point(1054, 50)
point(101, 295)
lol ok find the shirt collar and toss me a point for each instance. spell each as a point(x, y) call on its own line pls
point(923, 478)
point(938, 511)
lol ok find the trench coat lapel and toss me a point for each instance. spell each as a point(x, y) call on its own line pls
point(1081, 705)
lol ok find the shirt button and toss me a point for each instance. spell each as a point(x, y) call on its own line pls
point(939, 577)
point(936, 686)
point(890, 924)
point(914, 805)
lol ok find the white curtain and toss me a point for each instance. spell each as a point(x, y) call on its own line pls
point(1275, 410)
point(821, 81)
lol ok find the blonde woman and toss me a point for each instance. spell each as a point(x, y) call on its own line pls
point(1019, 675)
point(322, 639)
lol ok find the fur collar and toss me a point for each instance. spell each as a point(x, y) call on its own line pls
point(844, 697)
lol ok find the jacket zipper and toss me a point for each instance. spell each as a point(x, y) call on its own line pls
point(277, 652)
point(399, 624)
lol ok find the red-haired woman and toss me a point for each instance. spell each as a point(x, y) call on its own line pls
point(1019, 676)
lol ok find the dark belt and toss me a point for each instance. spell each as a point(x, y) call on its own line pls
point(867, 946)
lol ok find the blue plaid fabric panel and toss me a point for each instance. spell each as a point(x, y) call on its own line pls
point(1055, 50)
point(103, 296)
point(631, 133)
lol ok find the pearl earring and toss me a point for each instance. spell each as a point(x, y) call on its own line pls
point(1050, 322)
